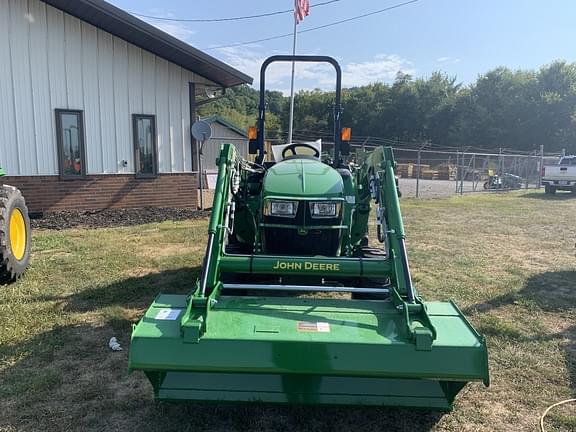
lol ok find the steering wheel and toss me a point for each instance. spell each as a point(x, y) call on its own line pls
point(292, 149)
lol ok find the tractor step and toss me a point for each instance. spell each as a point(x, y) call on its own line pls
point(307, 350)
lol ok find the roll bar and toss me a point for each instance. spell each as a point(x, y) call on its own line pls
point(337, 105)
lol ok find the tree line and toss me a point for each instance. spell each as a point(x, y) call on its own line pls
point(504, 108)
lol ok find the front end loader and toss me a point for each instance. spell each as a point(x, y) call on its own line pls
point(293, 304)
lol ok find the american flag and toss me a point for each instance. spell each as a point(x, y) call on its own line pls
point(301, 10)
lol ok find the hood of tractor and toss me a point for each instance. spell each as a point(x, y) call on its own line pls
point(301, 178)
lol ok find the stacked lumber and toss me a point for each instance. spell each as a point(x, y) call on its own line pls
point(405, 170)
point(447, 172)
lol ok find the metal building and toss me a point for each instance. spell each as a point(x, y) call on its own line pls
point(96, 106)
point(223, 131)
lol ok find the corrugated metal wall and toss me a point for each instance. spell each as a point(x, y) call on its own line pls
point(220, 135)
point(50, 60)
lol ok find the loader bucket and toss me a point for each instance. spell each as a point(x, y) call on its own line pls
point(307, 351)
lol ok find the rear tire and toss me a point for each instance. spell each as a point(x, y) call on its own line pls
point(15, 234)
point(550, 190)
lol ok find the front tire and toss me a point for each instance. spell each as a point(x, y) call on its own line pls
point(15, 234)
point(550, 190)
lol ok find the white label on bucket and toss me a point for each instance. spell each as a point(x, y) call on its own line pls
point(168, 314)
point(315, 327)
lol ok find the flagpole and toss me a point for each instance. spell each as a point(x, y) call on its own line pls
point(291, 121)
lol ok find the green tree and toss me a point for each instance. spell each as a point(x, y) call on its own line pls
point(512, 109)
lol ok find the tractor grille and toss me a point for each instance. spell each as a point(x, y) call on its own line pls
point(285, 241)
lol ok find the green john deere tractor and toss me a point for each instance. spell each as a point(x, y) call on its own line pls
point(293, 305)
point(15, 233)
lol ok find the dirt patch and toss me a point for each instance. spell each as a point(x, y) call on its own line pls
point(108, 218)
point(140, 272)
point(166, 250)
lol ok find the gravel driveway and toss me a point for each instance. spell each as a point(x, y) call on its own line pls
point(433, 188)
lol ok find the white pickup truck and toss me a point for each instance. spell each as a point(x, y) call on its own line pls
point(561, 176)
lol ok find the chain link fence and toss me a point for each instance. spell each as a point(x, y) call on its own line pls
point(428, 170)
point(427, 173)
point(424, 171)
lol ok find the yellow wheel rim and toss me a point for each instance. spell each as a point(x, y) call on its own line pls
point(17, 234)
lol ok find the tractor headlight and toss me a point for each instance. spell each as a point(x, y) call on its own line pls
point(324, 209)
point(281, 208)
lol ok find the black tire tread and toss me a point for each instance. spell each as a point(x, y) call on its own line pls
point(10, 269)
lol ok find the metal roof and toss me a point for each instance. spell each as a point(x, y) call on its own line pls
point(226, 123)
point(120, 23)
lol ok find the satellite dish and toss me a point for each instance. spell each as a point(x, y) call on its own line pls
point(201, 130)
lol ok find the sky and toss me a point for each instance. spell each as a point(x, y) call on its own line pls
point(462, 38)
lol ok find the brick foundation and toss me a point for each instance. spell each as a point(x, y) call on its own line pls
point(50, 193)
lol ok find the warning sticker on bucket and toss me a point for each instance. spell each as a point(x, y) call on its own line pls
point(168, 314)
point(317, 327)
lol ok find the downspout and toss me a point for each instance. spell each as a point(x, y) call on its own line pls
point(192, 103)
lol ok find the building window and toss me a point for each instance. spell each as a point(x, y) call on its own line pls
point(145, 145)
point(70, 137)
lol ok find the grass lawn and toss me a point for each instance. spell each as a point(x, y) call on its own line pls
point(508, 260)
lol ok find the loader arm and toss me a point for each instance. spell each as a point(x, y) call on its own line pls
point(377, 173)
point(382, 166)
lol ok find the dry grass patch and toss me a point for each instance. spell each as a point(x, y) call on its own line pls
point(168, 250)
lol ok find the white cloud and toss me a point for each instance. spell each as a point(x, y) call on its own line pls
point(177, 29)
point(244, 59)
point(249, 61)
point(448, 60)
point(383, 68)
